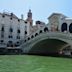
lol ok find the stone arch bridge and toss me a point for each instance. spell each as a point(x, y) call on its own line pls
point(47, 42)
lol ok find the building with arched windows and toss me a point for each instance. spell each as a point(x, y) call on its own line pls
point(60, 22)
point(13, 29)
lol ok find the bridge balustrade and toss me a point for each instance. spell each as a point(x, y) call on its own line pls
point(40, 32)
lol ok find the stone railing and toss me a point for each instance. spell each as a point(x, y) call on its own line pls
point(56, 35)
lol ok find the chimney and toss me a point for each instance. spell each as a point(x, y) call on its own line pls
point(22, 17)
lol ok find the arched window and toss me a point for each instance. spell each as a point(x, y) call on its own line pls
point(64, 27)
point(10, 36)
point(25, 32)
point(70, 28)
point(32, 36)
point(36, 34)
point(40, 31)
point(11, 30)
point(18, 31)
point(45, 29)
point(28, 38)
point(10, 44)
point(2, 29)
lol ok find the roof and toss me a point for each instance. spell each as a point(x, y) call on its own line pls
point(9, 14)
point(56, 14)
point(68, 18)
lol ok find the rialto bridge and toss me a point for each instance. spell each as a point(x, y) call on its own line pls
point(47, 42)
point(54, 37)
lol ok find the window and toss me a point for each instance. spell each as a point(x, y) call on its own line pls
point(18, 37)
point(17, 42)
point(7, 45)
point(10, 42)
point(32, 36)
point(40, 31)
point(18, 20)
point(25, 32)
point(11, 18)
point(28, 38)
point(26, 22)
point(2, 29)
point(3, 16)
point(18, 31)
point(25, 40)
point(2, 41)
point(36, 34)
point(11, 30)
point(70, 28)
point(10, 36)
point(45, 29)
point(64, 27)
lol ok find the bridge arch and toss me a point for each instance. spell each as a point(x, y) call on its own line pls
point(47, 46)
point(47, 40)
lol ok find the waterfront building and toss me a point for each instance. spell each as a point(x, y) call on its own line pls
point(14, 30)
point(60, 22)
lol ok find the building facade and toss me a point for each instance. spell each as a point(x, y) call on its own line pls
point(60, 22)
point(13, 29)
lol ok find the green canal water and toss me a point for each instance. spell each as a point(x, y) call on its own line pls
point(29, 63)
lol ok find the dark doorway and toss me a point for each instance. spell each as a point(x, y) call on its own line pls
point(70, 28)
point(45, 29)
point(64, 27)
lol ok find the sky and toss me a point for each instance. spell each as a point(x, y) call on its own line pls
point(41, 9)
